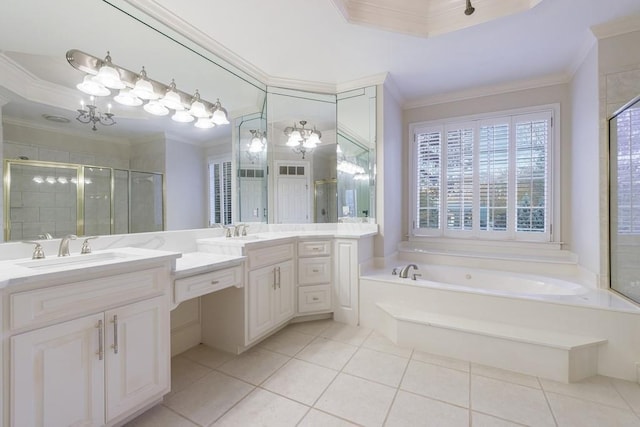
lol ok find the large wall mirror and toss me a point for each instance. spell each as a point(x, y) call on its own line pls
point(153, 172)
point(624, 214)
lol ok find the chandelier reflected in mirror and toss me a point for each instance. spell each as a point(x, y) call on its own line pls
point(136, 89)
point(256, 145)
point(302, 140)
point(90, 114)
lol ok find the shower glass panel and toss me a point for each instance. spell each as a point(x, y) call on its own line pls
point(120, 201)
point(97, 201)
point(325, 201)
point(42, 200)
point(624, 213)
point(146, 202)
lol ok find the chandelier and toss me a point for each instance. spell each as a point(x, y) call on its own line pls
point(136, 89)
point(302, 140)
point(256, 145)
point(92, 115)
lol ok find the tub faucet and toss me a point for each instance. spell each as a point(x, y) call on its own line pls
point(64, 244)
point(404, 273)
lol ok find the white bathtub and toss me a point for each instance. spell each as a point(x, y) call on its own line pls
point(515, 300)
point(488, 281)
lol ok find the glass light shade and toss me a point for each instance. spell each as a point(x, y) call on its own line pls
point(92, 87)
point(172, 100)
point(255, 146)
point(308, 143)
point(143, 89)
point(220, 117)
point(125, 97)
point(182, 116)
point(204, 123)
point(314, 138)
point(38, 179)
point(155, 108)
point(198, 109)
point(109, 77)
point(338, 149)
point(293, 141)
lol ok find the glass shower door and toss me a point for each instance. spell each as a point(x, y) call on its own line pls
point(97, 201)
point(624, 214)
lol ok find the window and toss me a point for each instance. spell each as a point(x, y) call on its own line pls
point(220, 191)
point(484, 177)
point(627, 125)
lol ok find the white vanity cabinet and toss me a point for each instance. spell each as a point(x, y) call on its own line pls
point(314, 276)
point(270, 289)
point(82, 353)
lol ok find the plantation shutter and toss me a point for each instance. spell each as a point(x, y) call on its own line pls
point(493, 176)
point(459, 178)
point(428, 158)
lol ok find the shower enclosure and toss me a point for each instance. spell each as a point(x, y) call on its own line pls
point(50, 200)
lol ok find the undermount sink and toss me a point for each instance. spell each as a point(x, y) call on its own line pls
point(74, 260)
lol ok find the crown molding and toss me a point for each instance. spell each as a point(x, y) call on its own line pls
point(617, 27)
point(303, 85)
point(589, 42)
point(551, 80)
point(69, 132)
point(373, 80)
point(168, 18)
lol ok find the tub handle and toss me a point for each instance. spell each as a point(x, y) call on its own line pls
point(415, 275)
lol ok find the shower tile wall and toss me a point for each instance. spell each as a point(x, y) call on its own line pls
point(13, 150)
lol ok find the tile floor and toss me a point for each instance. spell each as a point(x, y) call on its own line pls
point(325, 373)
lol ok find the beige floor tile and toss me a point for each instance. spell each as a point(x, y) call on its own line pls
point(510, 401)
point(630, 392)
point(317, 418)
point(287, 341)
point(596, 389)
point(437, 382)
point(376, 366)
point(254, 366)
point(357, 400)
point(348, 334)
point(446, 362)
point(315, 327)
point(377, 341)
point(263, 408)
point(301, 381)
point(504, 375)
point(483, 420)
point(207, 356)
point(160, 416)
point(208, 398)
point(412, 410)
point(185, 372)
point(570, 412)
point(327, 353)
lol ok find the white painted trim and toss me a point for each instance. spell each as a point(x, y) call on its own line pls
point(589, 42)
point(617, 27)
point(550, 80)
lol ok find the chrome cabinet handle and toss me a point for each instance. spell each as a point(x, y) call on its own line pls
point(316, 298)
point(278, 277)
point(274, 279)
point(315, 270)
point(115, 334)
point(215, 282)
point(100, 345)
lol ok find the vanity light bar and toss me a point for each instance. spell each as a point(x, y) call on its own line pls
point(91, 65)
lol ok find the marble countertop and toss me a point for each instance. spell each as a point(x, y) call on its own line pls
point(77, 266)
point(202, 262)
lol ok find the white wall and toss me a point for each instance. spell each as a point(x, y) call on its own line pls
point(585, 224)
point(186, 186)
point(390, 203)
point(558, 93)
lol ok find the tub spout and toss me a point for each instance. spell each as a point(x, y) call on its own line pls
point(404, 273)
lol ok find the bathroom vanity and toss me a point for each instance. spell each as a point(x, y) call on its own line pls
point(87, 339)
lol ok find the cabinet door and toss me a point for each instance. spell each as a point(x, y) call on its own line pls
point(137, 354)
point(57, 375)
point(260, 301)
point(345, 281)
point(284, 299)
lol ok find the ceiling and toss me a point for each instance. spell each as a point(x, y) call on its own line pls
point(312, 41)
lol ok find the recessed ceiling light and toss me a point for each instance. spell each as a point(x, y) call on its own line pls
point(57, 119)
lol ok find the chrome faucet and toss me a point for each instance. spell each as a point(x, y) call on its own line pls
point(236, 231)
point(404, 273)
point(63, 250)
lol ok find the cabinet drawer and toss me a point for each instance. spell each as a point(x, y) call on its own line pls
point(314, 248)
point(314, 271)
point(257, 258)
point(31, 308)
point(314, 298)
point(201, 284)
